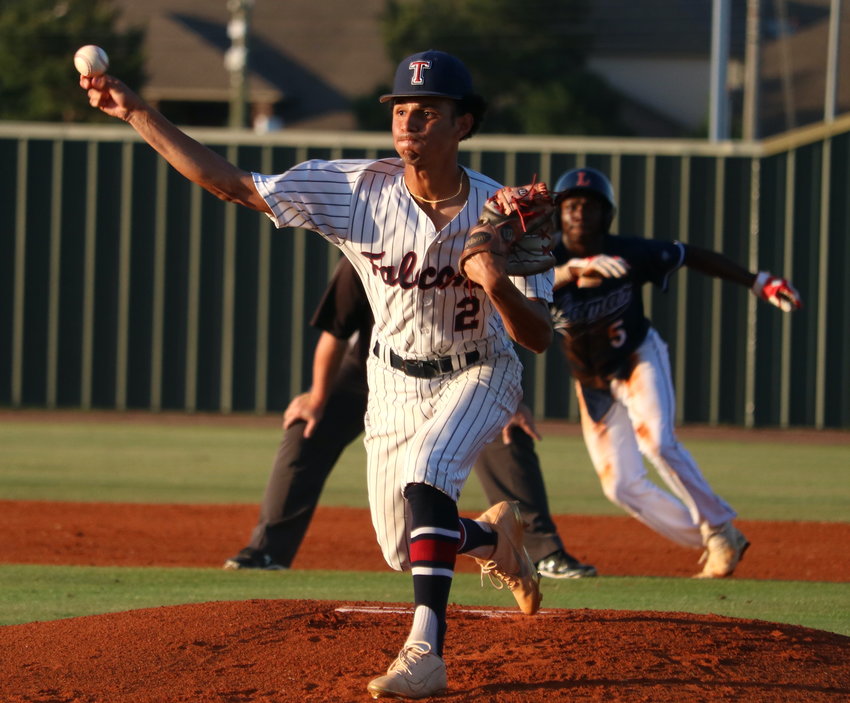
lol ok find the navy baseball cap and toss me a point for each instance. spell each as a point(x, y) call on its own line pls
point(431, 73)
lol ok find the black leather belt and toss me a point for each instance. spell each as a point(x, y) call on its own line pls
point(428, 368)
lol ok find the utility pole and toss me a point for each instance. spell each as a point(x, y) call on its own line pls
point(752, 63)
point(718, 126)
point(832, 61)
point(785, 52)
point(236, 60)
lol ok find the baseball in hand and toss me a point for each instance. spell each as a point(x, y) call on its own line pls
point(91, 60)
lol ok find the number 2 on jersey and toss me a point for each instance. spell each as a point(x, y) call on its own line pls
point(466, 318)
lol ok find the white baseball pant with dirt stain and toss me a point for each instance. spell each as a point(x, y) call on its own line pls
point(640, 423)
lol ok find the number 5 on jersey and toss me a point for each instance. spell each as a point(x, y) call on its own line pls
point(617, 334)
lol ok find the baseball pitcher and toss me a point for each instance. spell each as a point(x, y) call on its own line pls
point(443, 375)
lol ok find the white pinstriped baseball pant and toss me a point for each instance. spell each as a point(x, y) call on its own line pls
point(430, 431)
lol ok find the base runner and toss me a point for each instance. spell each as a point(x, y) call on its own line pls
point(622, 370)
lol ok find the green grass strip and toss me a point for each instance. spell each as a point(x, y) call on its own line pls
point(150, 463)
point(31, 593)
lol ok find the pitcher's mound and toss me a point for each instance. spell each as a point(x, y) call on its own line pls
point(326, 652)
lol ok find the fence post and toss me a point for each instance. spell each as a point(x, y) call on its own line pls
point(750, 361)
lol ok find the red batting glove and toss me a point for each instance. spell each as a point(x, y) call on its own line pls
point(776, 291)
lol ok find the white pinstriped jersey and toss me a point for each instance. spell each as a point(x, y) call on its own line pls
point(423, 306)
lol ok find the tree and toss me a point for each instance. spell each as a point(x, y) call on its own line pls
point(527, 60)
point(38, 39)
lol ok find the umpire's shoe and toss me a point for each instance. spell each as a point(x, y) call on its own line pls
point(563, 565)
point(416, 673)
point(253, 559)
point(509, 562)
point(724, 548)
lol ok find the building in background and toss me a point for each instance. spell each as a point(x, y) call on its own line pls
point(310, 60)
point(658, 54)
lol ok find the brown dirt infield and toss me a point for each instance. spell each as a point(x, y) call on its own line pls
point(103, 534)
point(326, 652)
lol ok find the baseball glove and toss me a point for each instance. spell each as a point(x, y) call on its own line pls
point(515, 223)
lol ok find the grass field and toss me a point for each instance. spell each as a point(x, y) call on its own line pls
point(198, 463)
point(216, 463)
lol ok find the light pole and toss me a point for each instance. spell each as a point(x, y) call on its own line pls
point(832, 61)
point(236, 60)
point(718, 124)
point(750, 127)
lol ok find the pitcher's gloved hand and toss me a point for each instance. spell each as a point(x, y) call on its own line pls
point(516, 223)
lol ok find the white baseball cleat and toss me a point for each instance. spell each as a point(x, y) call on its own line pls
point(415, 673)
point(724, 548)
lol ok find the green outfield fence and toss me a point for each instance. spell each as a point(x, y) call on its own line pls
point(123, 286)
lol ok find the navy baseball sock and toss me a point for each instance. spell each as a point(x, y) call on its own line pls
point(433, 550)
point(474, 535)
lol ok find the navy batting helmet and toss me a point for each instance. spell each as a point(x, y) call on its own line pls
point(586, 180)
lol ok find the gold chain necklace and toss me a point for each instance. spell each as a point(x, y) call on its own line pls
point(440, 200)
